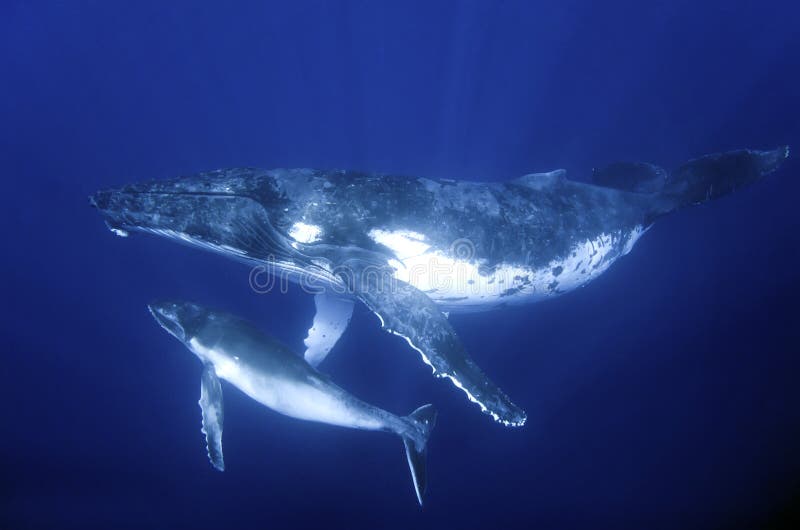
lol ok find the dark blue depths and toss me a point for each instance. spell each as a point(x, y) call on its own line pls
point(664, 394)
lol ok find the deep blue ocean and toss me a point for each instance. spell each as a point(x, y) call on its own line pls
point(662, 395)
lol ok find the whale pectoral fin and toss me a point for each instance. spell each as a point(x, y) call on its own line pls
point(408, 312)
point(331, 319)
point(211, 407)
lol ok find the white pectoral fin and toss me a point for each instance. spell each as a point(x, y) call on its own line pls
point(211, 406)
point(406, 311)
point(331, 319)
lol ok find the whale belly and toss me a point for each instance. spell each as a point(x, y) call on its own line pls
point(289, 390)
point(464, 285)
point(306, 399)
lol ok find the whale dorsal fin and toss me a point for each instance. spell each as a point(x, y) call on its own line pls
point(541, 180)
point(637, 177)
point(331, 319)
point(211, 407)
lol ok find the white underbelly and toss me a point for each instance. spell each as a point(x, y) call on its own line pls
point(461, 285)
point(301, 396)
point(307, 402)
point(298, 399)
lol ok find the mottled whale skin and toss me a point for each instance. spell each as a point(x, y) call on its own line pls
point(440, 245)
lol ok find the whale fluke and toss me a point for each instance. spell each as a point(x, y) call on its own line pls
point(424, 419)
point(716, 175)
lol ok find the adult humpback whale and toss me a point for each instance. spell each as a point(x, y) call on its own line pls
point(267, 371)
point(412, 249)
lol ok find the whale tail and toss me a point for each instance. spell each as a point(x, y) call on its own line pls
point(415, 441)
point(695, 182)
point(714, 176)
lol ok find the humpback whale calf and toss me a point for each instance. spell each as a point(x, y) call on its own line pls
point(414, 249)
point(267, 371)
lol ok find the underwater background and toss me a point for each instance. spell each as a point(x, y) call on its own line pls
point(662, 395)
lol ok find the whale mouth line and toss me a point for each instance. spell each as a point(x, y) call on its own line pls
point(93, 198)
point(170, 325)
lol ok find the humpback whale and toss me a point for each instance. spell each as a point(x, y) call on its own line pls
point(414, 249)
point(267, 371)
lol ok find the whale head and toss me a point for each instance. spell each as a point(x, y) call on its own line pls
point(226, 211)
point(180, 319)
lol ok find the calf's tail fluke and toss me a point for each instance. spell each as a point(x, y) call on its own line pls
point(716, 175)
point(415, 440)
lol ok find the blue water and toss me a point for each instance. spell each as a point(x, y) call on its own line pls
point(664, 394)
